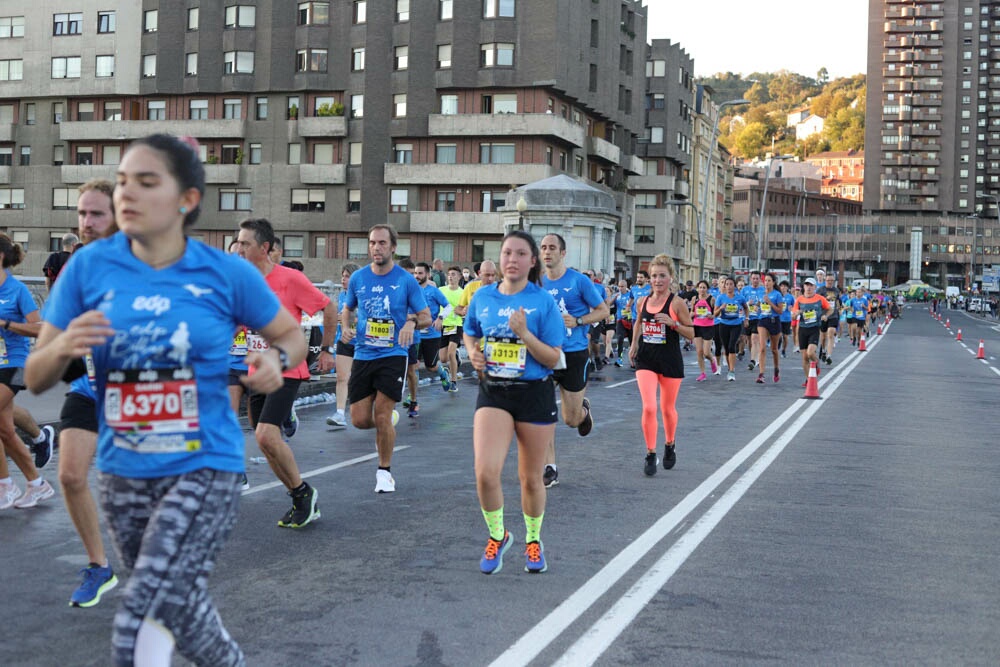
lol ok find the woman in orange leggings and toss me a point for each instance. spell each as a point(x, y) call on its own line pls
point(656, 354)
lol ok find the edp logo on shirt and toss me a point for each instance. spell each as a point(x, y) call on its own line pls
point(156, 304)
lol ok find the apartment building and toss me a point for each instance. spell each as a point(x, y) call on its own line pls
point(325, 117)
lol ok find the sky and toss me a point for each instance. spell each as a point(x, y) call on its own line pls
point(742, 36)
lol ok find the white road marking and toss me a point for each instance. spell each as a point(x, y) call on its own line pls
point(619, 384)
point(320, 471)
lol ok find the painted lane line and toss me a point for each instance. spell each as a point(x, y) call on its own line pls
point(599, 637)
point(563, 616)
point(619, 384)
point(993, 368)
point(320, 471)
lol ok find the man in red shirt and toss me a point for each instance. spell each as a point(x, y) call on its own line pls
point(268, 411)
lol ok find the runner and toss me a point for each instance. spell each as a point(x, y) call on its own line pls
point(19, 320)
point(390, 306)
point(451, 330)
point(637, 291)
point(656, 353)
point(344, 351)
point(169, 477)
point(581, 304)
point(430, 338)
point(786, 316)
point(703, 305)
point(753, 294)
point(770, 305)
point(267, 411)
point(623, 320)
point(513, 332)
point(859, 309)
point(826, 287)
point(411, 381)
point(729, 309)
point(41, 439)
point(810, 310)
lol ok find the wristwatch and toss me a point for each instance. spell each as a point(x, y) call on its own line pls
point(282, 357)
point(579, 321)
point(331, 349)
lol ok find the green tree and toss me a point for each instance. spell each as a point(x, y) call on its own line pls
point(751, 140)
point(823, 76)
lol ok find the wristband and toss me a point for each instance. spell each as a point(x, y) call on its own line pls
point(6, 325)
point(282, 357)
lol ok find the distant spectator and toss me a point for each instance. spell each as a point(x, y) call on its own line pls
point(57, 260)
point(438, 275)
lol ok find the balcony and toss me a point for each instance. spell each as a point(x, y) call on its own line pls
point(464, 222)
point(632, 165)
point(661, 183)
point(7, 131)
point(505, 125)
point(126, 130)
point(603, 150)
point(81, 173)
point(323, 174)
point(682, 190)
point(5, 175)
point(466, 174)
point(322, 126)
point(222, 173)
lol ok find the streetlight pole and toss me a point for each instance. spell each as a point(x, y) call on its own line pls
point(704, 195)
point(763, 209)
point(699, 219)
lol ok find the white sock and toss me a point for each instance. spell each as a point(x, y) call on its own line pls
point(36, 482)
point(6, 480)
point(38, 440)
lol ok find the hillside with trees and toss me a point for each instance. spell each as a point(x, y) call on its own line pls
point(760, 128)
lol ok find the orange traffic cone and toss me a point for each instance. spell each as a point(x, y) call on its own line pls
point(812, 382)
point(861, 345)
point(878, 332)
point(982, 350)
point(947, 323)
point(959, 336)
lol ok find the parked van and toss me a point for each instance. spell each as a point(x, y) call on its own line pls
point(871, 284)
point(951, 290)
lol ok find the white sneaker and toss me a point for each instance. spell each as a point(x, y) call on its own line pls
point(34, 494)
point(337, 419)
point(8, 494)
point(384, 483)
point(395, 417)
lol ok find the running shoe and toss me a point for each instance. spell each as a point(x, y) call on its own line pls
point(751, 365)
point(618, 362)
point(453, 387)
point(534, 558)
point(702, 377)
point(407, 402)
point(291, 424)
point(43, 450)
point(829, 360)
point(9, 492)
point(34, 494)
point(445, 382)
point(715, 367)
point(804, 384)
point(739, 356)
point(304, 509)
point(414, 410)
point(783, 355)
point(776, 376)
point(384, 483)
point(244, 482)
point(337, 419)
point(651, 462)
point(588, 421)
point(551, 476)
point(97, 581)
point(395, 417)
point(760, 378)
point(492, 560)
point(731, 377)
point(669, 457)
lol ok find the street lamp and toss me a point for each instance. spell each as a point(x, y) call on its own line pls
point(704, 195)
point(698, 220)
point(763, 208)
point(521, 206)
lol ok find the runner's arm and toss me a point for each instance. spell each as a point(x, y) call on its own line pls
point(57, 348)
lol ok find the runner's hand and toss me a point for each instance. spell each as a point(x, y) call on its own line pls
point(267, 373)
point(476, 358)
point(518, 322)
point(90, 330)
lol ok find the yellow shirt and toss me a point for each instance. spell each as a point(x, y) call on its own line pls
point(467, 293)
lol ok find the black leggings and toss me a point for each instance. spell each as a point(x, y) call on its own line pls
point(621, 333)
point(168, 531)
point(731, 337)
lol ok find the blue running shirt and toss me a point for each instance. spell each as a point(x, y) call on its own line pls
point(576, 295)
point(382, 304)
point(15, 305)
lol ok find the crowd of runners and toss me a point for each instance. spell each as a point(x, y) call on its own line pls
point(156, 398)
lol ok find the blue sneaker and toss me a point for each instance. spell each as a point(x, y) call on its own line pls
point(43, 450)
point(290, 425)
point(492, 560)
point(453, 387)
point(96, 582)
point(534, 558)
point(445, 381)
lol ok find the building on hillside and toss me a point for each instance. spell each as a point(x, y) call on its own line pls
point(809, 126)
point(843, 173)
point(326, 117)
point(797, 115)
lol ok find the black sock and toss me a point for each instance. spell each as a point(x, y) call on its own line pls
point(300, 489)
point(385, 468)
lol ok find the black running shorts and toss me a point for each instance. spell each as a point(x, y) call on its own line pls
point(78, 411)
point(275, 407)
point(531, 402)
point(383, 375)
point(574, 376)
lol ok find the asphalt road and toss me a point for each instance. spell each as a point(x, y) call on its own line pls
point(858, 529)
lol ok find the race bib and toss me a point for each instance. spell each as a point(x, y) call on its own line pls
point(3, 352)
point(449, 331)
point(702, 311)
point(256, 342)
point(505, 357)
point(380, 333)
point(765, 307)
point(732, 310)
point(859, 314)
point(654, 332)
point(809, 316)
point(239, 346)
point(153, 411)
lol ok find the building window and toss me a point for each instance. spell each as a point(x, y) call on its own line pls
point(105, 22)
point(493, 201)
point(578, 165)
point(498, 8)
point(645, 200)
point(149, 66)
point(323, 154)
point(190, 64)
point(66, 68)
point(310, 60)
point(232, 109)
point(260, 112)
point(58, 155)
point(357, 248)
point(506, 103)
point(444, 250)
point(645, 234)
point(85, 155)
point(11, 70)
point(198, 109)
point(237, 62)
point(656, 135)
point(314, 13)
point(399, 105)
point(357, 106)
point(292, 245)
point(85, 111)
point(496, 153)
point(445, 153)
point(294, 153)
point(64, 199)
point(156, 110)
point(402, 57)
point(255, 153)
point(398, 201)
point(29, 114)
point(360, 11)
point(308, 199)
point(6, 156)
point(11, 26)
point(25, 156)
point(67, 24)
point(105, 66)
point(192, 22)
point(358, 59)
point(112, 111)
point(292, 107)
point(449, 104)
point(321, 101)
point(241, 16)
point(402, 153)
point(444, 56)
point(402, 10)
point(111, 155)
point(444, 10)
point(13, 198)
point(498, 54)
point(354, 152)
point(235, 199)
point(354, 202)
point(446, 201)
point(150, 20)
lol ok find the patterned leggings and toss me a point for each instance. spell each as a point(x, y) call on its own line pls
point(168, 531)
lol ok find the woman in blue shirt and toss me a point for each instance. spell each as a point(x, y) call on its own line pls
point(514, 334)
point(157, 311)
point(729, 309)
